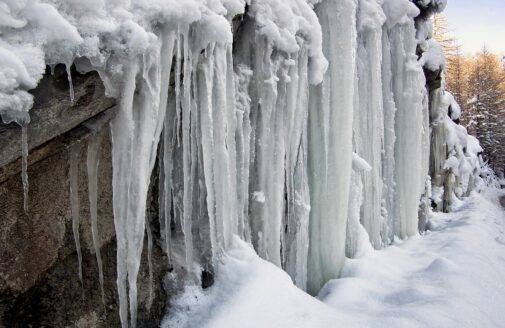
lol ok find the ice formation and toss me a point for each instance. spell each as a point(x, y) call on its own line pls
point(305, 132)
point(92, 162)
point(74, 203)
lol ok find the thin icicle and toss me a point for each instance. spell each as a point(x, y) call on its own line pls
point(165, 124)
point(74, 202)
point(24, 165)
point(177, 80)
point(70, 84)
point(150, 265)
point(92, 162)
point(187, 151)
point(243, 137)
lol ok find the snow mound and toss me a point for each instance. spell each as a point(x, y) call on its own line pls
point(453, 276)
point(249, 292)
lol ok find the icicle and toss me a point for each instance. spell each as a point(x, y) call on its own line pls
point(369, 115)
point(166, 203)
point(92, 167)
point(187, 155)
point(268, 108)
point(150, 265)
point(408, 90)
point(74, 202)
point(330, 143)
point(24, 165)
point(122, 132)
point(243, 137)
point(70, 84)
point(136, 132)
point(217, 126)
point(388, 157)
point(205, 80)
point(296, 242)
point(177, 80)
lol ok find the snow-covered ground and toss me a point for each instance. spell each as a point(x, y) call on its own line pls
point(453, 276)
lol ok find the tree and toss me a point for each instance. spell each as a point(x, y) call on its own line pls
point(444, 36)
point(486, 91)
point(455, 72)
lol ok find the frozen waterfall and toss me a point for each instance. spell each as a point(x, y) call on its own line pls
point(303, 127)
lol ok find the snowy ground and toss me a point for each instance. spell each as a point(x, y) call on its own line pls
point(453, 276)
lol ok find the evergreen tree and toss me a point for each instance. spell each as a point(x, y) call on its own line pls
point(486, 88)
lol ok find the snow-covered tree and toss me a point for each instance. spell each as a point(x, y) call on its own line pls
point(485, 117)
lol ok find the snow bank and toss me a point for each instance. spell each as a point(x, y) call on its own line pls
point(450, 277)
point(249, 292)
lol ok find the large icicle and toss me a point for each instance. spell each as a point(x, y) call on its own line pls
point(166, 166)
point(243, 142)
point(369, 115)
point(330, 146)
point(296, 243)
point(187, 150)
point(133, 137)
point(408, 90)
point(267, 203)
point(216, 105)
point(388, 156)
point(92, 161)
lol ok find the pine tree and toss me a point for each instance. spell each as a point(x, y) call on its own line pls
point(486, 87)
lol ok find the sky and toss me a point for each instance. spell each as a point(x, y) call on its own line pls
point(477, 22)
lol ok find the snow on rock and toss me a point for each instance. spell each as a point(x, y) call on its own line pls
point(436, 5)
point(454, 109)
point(398, 11)
point(433, 57)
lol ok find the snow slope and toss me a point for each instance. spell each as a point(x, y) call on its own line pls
point(453, 276)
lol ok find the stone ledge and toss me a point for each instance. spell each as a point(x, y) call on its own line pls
point(52, 113)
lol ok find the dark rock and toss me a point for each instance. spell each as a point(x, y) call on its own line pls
point(39, 284)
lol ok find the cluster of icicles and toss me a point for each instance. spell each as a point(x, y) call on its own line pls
point(246, 146)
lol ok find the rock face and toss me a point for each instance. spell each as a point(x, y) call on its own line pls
point(39, 283)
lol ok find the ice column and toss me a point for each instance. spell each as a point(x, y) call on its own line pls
point(296, 240)
point(330, 143)
point(369, 115)
point(388, 156)
point(216, 106)
point(408, 90)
